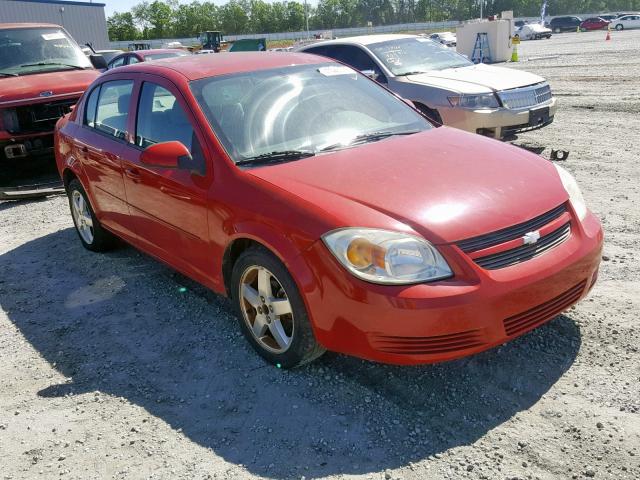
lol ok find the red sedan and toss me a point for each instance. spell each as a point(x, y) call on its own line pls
point(137, 56)
point(334, 215)
point(594, 23)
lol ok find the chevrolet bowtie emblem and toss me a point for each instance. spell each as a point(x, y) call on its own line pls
point(530, 238)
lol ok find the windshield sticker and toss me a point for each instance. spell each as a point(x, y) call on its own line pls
point(336, 70)
point(53, 36)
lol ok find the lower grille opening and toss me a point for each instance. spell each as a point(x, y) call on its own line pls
point(428, 345)
point(536, 316)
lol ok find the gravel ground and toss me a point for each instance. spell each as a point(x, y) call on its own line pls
point(114, 366)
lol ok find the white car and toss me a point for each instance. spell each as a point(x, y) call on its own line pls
point(493, 101)
point(533, 31)
point(445, 38)
point(626, 22)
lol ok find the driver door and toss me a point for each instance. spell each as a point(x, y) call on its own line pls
point(169, 205)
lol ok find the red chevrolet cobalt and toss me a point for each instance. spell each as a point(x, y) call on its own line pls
point(332, 213)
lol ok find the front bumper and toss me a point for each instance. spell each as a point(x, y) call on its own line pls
point(18, 149)
point(496, 123)
point(473, 311)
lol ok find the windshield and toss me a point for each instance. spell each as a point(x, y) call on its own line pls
point(33, 50)
point(160, 56)
point(305, 109)
point(415, 55)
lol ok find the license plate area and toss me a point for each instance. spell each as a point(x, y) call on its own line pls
point(538, 116)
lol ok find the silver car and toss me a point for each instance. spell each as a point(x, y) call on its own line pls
point(447, 87)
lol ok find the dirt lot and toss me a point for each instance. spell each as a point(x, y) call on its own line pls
point(113, 366)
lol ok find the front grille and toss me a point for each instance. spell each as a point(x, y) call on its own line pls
point(428, 345)
point(39, 117)
point(536, 316)
point(525, 97)
point(525, 252)
point(510, 233)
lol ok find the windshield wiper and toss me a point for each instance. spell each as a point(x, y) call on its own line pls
point(7, 74)
point(276, 157)
point(368, 137)
point(46, 64)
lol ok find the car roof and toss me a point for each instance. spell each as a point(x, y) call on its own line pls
point(364, 39)
point(194, 67)
point(9, 26)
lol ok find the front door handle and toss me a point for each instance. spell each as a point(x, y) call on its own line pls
point(133, 174)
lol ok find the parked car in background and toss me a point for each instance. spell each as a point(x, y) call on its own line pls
point(137, 56)
point(43, 72)
point(594, 23)
point(447, 87)
point(108, 55)
point(626, 22)
point(445, 38)
point(565, 24)
point(519, 23)
point(533, 31)
point(609, 16)
point(266, 177)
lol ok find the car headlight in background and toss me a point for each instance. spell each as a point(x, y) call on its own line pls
point(386, 257)
point(475, 102)
point(575, 195)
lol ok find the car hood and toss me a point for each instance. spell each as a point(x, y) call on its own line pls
point(477, 78)
point(444, 184)
point(26, 89)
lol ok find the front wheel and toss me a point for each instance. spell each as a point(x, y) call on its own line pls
point(271, 312)
point(92, 235)
point(557, 30)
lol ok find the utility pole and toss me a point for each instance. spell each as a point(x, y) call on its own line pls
point(481, 4)
point(306, 17)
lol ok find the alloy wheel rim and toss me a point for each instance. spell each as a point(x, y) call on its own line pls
point(82, 216)
point(266, 309)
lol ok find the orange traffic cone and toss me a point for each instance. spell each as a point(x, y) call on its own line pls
point(608, 35)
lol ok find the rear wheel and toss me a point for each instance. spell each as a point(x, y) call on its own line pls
point(619, 27)
point(557, 30)
point(91, 233)
point(271, 313)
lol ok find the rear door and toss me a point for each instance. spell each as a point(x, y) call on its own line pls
point(99, 143)
point(168, 205)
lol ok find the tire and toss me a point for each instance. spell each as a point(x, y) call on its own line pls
point(431, 113)
point(287, 339)
point(85, 220)
point(557, 30)
point(619, 27)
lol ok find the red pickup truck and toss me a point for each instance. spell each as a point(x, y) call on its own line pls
point(43, 73)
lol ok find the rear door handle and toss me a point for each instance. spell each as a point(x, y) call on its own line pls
point(133, 174)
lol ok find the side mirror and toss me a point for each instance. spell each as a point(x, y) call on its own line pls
point(410, 103)
point(98, 62)
point(370, 73)
point(165, 154)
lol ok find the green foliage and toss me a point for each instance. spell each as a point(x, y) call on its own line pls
point(171, 19)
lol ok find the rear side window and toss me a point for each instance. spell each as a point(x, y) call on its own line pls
point(90, 108)
point(118, 62)
point(112, 108)
point(162, 119)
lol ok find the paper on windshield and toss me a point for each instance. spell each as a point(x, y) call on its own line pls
point(53, 36)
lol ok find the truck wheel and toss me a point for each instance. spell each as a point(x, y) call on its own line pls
point(270, 310)
point(91, 233)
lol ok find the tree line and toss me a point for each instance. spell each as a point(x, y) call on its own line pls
point(170, 19)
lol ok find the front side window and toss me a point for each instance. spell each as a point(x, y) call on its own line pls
point(133, 59)
point(354, 56)
point(162, 119)
point(112, 108)
point(416, 55)
point(25, 51)
point(310, 108)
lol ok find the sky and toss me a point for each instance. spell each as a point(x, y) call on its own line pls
point(125, 5)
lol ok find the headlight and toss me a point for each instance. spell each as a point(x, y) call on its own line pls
point(485, 100)
point(575, 195)
point(381, 256)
